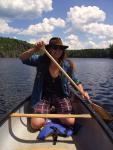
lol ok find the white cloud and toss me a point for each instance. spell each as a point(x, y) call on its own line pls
point(44, 38)
point(6, 29)
point(24, 8)
point(99, 29)
point(47, 26)
point(105, 44)
point(89, 22)
point(79, 16)
point(73, 42)
point(90, 44)
point(32, 41)
point(102, 37)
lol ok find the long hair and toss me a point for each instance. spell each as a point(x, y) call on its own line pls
point(61, 59)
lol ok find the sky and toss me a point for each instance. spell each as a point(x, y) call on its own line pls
point(80, 23)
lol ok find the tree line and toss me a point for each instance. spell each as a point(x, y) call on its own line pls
point(91, 53)
point(13, 48)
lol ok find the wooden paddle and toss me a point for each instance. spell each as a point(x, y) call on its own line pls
point(101, 111)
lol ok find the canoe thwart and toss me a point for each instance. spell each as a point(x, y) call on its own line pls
point(51, 115)
point(44, 148)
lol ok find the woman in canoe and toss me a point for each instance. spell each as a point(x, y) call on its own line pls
point(51, 87)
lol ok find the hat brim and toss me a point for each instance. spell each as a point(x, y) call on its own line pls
point(49, 45)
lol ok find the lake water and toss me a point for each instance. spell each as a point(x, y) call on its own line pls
point(16, 81)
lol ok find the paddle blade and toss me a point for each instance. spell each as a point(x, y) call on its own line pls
point(102, 112)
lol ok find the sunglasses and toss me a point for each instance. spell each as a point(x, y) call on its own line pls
point(57, 47)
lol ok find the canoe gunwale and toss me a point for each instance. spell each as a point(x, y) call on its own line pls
point(6, 117)
point(99, 120)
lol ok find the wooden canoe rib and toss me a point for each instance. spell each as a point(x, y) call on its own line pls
point(94, 133)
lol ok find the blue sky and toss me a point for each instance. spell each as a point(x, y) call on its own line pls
point(80, 23)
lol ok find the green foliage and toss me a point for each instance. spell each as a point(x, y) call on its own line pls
point(12, 47)
point(89, 53)
point(111, 50)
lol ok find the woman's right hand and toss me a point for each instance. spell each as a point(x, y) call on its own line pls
point(39, 45)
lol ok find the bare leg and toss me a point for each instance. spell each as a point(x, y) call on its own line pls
point(37, 123)
point(68, 121)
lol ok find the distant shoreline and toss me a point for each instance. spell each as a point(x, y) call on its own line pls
point(12, 48)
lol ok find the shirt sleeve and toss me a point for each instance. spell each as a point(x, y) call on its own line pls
point(75, 77)
point(32, 61)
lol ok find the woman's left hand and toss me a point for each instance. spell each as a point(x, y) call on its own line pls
point(86, 96)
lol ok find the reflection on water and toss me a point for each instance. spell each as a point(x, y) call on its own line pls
point(16, 81)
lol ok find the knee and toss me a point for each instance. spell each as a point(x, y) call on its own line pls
point(72, 121)
point(37, 123)
point(68, 121)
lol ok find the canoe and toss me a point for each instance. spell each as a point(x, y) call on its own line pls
point(16, 133)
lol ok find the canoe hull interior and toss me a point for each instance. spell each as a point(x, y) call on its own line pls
point(16, 135)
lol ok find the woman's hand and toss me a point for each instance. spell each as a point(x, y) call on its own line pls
point(38, 46)
point(27, 54)
point(86, 96)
